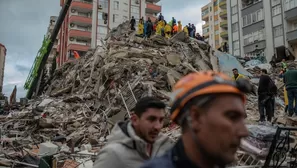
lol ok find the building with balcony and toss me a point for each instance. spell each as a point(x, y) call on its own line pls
point(76, 31)
point(215, 28)
point(262, 28)
point(2, 65)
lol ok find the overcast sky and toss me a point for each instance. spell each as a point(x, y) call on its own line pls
point(24, 24)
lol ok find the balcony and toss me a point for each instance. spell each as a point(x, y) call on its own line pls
point(205, 25)
point(152, 1)
point(248, 3)
point(152, 8)
point(291, 14)
point(224, 24)
point(82, 5)
point(206, 35)
point(223, 4)
point(80, 34)
point(205, 17)
point(224, 34)
point(79, 47)
point(223, 14)
point(292, 36)
point(80, 20)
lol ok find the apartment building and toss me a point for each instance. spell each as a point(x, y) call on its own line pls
point(215, 28)
point(75, 33)
point(262, 28)
point(2, 64)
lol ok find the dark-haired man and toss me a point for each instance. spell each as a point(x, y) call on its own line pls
point(133, 142)
point(237, 75)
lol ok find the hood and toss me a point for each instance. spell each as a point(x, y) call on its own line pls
point(124, 133)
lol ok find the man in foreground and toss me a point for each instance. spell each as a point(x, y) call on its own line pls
point(290, 80)
point(133, 142)
point(210, 107)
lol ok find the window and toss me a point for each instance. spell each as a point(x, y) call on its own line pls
point(289, 4)
point(276, 10)
point(217, 43)
point(100, 15)
point(254, 37)
point(216, 13)
point(101, 30)
point(275, 2)
point(252, 18)
point(210, 9)
point(116, 5)
point(115, 18)
point(235, 45)
point(216, 22)
point(103, 3)
point(217, 32)
point(234, 9)
point(234, 27)
point(278, 31)
point(205, 30)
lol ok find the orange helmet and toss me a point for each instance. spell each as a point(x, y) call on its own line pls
point(203, 83)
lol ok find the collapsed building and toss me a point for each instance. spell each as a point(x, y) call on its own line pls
point(82, 101)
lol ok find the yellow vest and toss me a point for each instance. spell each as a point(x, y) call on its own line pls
point(238, 77)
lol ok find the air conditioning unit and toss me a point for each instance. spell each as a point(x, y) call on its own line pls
point(100, 7)
point(137, 1)
point(73, 10)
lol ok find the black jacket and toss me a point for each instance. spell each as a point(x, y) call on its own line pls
point(264, 83)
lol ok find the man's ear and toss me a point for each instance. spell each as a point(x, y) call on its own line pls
point(134, 118)
point(195, 116)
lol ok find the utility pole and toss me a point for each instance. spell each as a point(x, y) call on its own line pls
point(94, 24)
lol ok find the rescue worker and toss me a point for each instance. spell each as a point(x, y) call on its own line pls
point(132, 23)
point(180, 26)
point(186, 30)
point(149, 28)
point(173, 21)
point(237, 75)
point(133, 142)
point(174, 29)
point(145, 29)
point(284, 64)
point(210, 108)
point(159, 27)
point(140, 28)
point(290, 80)
point(167, 31)
point(266, 92)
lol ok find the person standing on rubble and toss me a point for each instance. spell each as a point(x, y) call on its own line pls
point(266, 92)
point(167, 31)
point(210, 108)
point(290, 80)
point(180, 26)
point(132, 23)
point(237, 75)
point(140, 28)
point(186, 30)
point(149, 28)
point(133, 142)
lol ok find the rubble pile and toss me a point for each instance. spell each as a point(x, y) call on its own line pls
point(87, 97)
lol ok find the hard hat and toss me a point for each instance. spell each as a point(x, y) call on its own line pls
point(204, 83)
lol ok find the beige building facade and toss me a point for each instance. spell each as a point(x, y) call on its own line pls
point(215, 28)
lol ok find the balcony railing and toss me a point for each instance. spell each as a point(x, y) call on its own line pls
point(223, 13)
point(222, 4)
point(224, 23)
point(224, 34)
point(247, 3)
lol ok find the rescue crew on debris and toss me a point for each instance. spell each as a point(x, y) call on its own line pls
point(210, 108)
point(133, 142)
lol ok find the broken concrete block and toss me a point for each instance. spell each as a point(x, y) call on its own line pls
point(173, 58)
point(48, 148)
point(45, 102)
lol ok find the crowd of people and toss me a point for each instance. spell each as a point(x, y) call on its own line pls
point(161, 27)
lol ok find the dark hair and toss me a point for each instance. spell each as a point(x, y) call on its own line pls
point(234, 69)
point(264, 71)
point(147, 102)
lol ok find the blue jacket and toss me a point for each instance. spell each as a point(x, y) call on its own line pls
point(174, 158)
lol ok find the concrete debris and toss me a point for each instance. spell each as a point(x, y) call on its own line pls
point(86, 98)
